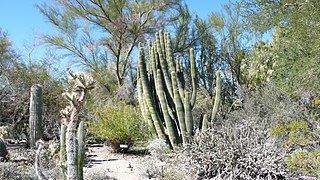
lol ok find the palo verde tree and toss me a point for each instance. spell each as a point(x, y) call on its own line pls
point(121, 24)
point(295, 28)
point(233, 39)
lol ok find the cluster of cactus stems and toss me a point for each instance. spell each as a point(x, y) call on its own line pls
point(35, 119)
point(166, 104)
point(72, 131)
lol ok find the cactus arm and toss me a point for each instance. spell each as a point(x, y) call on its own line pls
point(193, 78)
point(179, 108)
point(169, 53)
point(217, 97)
point(188, 115)
point(164, 66)
point(143, 107)
point(81, 137)
point(148, 95)
point(180, 78)
point(171, 129)
point(162, 44)
point(204, 122)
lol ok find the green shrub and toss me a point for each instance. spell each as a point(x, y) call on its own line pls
point(302, 142)
point(118, 124)
point(305, 162)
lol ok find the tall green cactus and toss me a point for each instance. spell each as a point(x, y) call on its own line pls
point(81, 137)
point(217, 98)
point(35, 119)
point(165, 101)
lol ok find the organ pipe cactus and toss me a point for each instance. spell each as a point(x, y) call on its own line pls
point(35, 119)
point(82, 83)
point(165, 101)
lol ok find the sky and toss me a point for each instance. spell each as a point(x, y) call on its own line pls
point(24, 23)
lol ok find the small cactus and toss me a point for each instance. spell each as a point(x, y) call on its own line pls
point(39, 171)
point(35, 119)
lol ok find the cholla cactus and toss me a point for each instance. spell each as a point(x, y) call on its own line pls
point(39, 171)
point(82, 83)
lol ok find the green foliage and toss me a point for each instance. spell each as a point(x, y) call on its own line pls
point(258, 67)
point(305, 162)
point(118, 124)
point(294, 26)
point(122, 25)
point(300, 139)
point(295, 131)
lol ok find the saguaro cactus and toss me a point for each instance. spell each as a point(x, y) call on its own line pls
point(35, 119)
point(165, 101)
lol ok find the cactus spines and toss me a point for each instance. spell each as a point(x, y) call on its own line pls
point(81, 137)
point(217, 98)
point(35, 119)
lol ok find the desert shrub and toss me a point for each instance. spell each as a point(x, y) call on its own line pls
point(155, 164)
point(305, 162)
point(242, 150)
point(241, 146)
point(13, 171)
point(158, 148)
point(118, 124)
point(301, 139)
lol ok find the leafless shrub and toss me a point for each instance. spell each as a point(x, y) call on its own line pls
point(241, 146)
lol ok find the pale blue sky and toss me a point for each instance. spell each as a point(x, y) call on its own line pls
point(23, 21)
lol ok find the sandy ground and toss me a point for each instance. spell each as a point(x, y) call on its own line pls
point(102, 163)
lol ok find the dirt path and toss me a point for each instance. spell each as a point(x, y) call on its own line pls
point(102, 164)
